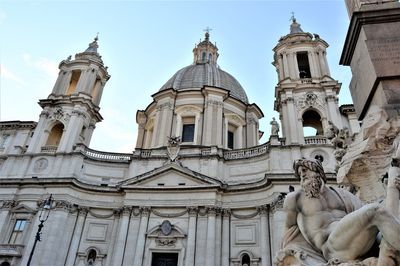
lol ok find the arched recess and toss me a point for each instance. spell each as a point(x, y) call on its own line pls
point(148, 136)
point(245, 258)
point(91, 256)
point(55, 134)
point(233, 138)
point(187, 123)
point(312, 123)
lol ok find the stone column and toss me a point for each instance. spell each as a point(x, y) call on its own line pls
point(280, 68)
point(38, 138)
point(29, 243)
point(76, 238)
point(117, 214)
point(210, 251)
point(328, 72)
point(65, 238)
point(264, 239)
point(218, 237)
point(144, 219)
point(4, 210)
point(285, 66)
point(52, 247)
point(119, 247)
point(322, 63)
point(292, 120)
point(72, 131)
point(225, 236)
point(311, 63)
point(133, 231)
point(295, 66)
point(291, 66)
point(316, 64)
point(191, 239)
point(239, 133)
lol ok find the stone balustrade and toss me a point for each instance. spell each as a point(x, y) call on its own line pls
point(315, 140)
point(106, 156)
point(246, 153)
point(49, 149)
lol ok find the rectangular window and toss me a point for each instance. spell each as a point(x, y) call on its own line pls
point(16, 235)
point(304, 65)
point(231, 139)
point(188, 133)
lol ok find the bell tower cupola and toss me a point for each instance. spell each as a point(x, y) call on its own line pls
point(205, 52)
point(306, 96)
point(71, 111)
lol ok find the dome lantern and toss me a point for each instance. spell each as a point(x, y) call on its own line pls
point(205, 52)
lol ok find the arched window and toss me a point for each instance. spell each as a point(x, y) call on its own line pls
point(203, 57)
point(5, 263)
point(304, 65)
point(55, 135)
point(76, 74)
point(312, 125)
point(209, 57)
point(245, 260)
point(91, 258)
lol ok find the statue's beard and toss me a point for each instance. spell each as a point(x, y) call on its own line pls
point(312, 187)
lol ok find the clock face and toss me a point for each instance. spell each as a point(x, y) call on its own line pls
point(166, 227)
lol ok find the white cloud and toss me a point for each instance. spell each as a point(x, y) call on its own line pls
point(7, 74)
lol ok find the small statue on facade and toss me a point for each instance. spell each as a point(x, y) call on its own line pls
point(331, 130)
point(274, 127)
point(331, 225)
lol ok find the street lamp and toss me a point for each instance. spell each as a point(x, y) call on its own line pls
point(43, 216)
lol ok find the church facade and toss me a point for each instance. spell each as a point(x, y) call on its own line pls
point(199, 188)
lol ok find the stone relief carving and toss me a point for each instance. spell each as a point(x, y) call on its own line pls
point(59, 114)
point(308, 100)
point(166, 227)
point(40, 165)
point(173, 148)
point(8, 204)
point(166, 241)
point(327, 235)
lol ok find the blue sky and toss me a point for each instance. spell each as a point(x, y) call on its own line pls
point(144, 43)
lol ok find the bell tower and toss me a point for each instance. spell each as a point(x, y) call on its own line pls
point(71, 111)
point(306, 94)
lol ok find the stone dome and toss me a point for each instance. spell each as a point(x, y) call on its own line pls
point(205, 74)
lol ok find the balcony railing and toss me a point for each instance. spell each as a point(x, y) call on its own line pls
point(246, 153)
point(106, 156)
point(49, 149)
point(315, 140)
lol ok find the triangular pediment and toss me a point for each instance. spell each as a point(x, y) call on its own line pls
point(22, 209)
point(171, 175)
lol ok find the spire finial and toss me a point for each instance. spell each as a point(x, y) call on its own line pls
point(292, 18)
point(295, 27)
point(207, 34)
point(97, 37)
